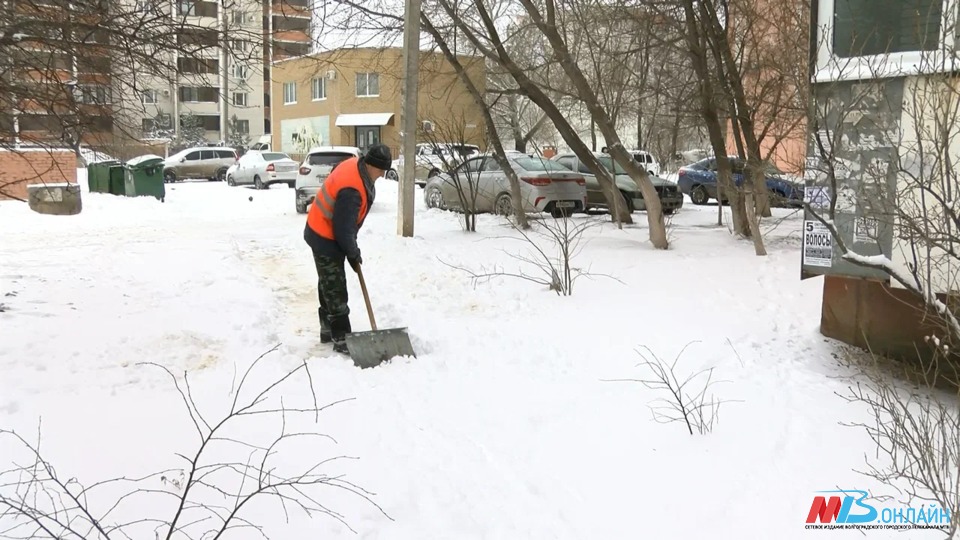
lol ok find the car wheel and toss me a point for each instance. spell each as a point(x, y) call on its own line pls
point(301, 208)
point(670, 211)
point(230, 180)
point(503, 206)
point(392, 175)
point(257, 183)
point(292, 185)
point(435, 199)
point(559, 213)
point(699, 195)
point(221, 175)
point(169, 177)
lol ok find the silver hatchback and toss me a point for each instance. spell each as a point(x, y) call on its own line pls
point(480, 183)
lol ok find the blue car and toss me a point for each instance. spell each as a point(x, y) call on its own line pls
point(699, 181)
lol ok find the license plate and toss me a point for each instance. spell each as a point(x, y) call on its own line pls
point(566, 204)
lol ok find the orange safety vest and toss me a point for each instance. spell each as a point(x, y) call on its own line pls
point(345, 175)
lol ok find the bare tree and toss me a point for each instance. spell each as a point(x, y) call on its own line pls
point(208, 498)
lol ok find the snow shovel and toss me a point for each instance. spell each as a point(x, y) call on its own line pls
point(369, 349)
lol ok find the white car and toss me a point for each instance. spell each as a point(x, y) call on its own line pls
point(545, 186)
point(263, 169)
point(647, 161)
point(436, 158)
point(315, 167)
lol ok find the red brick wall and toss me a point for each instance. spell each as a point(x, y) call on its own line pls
point(17, 169)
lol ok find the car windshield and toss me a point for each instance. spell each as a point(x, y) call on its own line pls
point(274, 156)
point(538, 164)
point(464, 150)
point(330, 158)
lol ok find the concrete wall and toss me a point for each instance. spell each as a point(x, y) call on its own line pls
point(34, 166)
point(443, 99)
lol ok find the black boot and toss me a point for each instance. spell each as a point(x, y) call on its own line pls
point(339, 328)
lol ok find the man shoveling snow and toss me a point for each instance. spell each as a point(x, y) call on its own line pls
point(335, 217)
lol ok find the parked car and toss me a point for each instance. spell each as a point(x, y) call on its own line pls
point(545, 186)
point(209, 163)
point(434, 158)
point(699, 181)
point(670, 197)
point(647, 161)
point(315, 167)
point(263, 169)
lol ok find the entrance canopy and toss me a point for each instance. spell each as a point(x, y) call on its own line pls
point(365, 119)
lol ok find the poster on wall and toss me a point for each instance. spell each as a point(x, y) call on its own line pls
point(299, 135)
point(817, 245)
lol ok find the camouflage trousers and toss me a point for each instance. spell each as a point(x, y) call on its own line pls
point(334, 311)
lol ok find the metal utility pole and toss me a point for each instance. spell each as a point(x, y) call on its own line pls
point(411, 68)
point(226, 50)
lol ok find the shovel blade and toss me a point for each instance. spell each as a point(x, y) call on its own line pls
point(370, 349)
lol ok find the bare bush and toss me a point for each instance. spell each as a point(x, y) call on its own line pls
point(552, 245)
point(915, 429)
point(207, 498)
point(689, 401)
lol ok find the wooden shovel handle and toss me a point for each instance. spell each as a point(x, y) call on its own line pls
point(366, 298)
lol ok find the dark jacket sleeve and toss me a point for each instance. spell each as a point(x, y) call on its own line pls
point(345, 213)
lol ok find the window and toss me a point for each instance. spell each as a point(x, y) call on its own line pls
point(328, 159)
point(238, 16)
point(274, 156)
point(289, 93)
point(149, 125)
point(240, 71)
point(538, 164)
point(199, 94)
point(566, 162)
point(198, 65)
point(225, 154)
point(319, 89)
point(874, 27)
point(240, 99)
point(241, 126)
point(368, 84)
point(192, 8)
point(193, 156)
point(240, 45)
point(490, 165)
point(94, 95)
point(148, 97)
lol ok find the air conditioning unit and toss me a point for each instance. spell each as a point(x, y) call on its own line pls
point(331, 74)
point(166, 92)
point(427, 126)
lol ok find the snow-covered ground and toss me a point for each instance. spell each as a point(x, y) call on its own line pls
point(507, 425)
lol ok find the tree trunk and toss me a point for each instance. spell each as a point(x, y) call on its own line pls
point(711, 117)
point(533, 91)
point(499, 154)
point(719, 36)
point(657, 228)
point(593, 135)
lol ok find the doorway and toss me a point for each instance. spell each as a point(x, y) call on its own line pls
point(367, 136)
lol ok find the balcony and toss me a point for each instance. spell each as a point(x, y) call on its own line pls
point(291, 9)
point(292, 36)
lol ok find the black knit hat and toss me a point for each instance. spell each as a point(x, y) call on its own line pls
point(379, 156)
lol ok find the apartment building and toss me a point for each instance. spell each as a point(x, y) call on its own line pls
point(218, 83)
point(353, 96)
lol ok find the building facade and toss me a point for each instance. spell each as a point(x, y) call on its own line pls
point(353, 97)
point(884, 140)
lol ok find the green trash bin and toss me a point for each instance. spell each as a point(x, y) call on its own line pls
point(144, 177)
point(117, 181)
point(98, 176)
